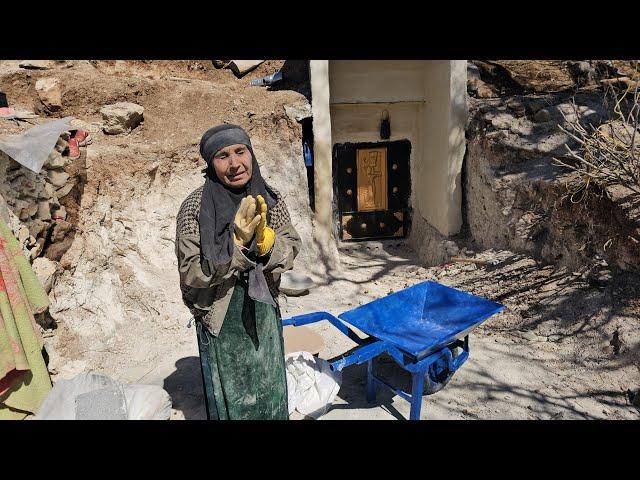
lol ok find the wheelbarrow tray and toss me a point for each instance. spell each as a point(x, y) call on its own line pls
point(423, 318)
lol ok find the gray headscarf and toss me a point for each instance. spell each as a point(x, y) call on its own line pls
point(219, 205)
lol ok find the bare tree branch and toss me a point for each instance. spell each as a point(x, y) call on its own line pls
point(606, 155)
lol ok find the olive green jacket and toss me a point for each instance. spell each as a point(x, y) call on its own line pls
point(207, 294)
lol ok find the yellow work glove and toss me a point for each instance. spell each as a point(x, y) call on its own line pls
point(246, 221)
point(265, 236)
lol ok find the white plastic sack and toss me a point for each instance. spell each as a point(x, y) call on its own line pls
point(311, 383)
point(139, 402)
point(147, 402)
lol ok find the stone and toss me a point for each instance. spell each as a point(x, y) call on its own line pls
point(46, 271)
point(532, 337)
point(121, 117)
point(32, 209)
point(57, 178)
point(49, 92)
point(413, 268)
point(35, 251)
point(37, 228)
point(535, 105)
point(36, 64)
point(542, 116)
point(298, 112)
point(61, 145)
point(451, 248)
point(49, 190)
point(23, 234)
point(55, 160)
point(62, 227)
point(484, 91)
point(618, 132)
point(501, 121)
point(517, 107)
point(64, 191)
point(44, 210)
point(583, 72)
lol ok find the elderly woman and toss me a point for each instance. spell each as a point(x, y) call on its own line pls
point(233, 240)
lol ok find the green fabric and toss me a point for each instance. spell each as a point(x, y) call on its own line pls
point(24, 379)
point(36, 295)
point(243, 367)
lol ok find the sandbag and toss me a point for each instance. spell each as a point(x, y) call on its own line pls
point(312, 385)
point(93, 396)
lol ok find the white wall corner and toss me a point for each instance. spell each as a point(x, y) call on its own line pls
point(459, 112)
point(320, 93)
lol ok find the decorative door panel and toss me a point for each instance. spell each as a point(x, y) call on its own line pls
point(372, 188)
point(371, 168)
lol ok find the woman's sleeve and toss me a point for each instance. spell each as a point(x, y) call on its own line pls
point(203, 274)
point(285, 249)
point(287, 243)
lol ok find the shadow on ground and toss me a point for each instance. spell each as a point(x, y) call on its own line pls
point(184, 386)
point(354, 389)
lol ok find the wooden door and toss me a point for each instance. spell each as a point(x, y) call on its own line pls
point(371, 165)
point(372, 187)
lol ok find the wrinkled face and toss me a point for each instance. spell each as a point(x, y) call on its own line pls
point(233, 165)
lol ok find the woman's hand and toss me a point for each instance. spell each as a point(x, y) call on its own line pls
point(246, 221)
point(265, 236)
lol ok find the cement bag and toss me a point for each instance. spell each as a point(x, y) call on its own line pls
point(311, 383)
point(93, 396)
point(60, 404)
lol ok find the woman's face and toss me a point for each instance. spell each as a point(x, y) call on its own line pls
point(233, 165)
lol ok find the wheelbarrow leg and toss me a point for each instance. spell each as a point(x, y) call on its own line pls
point(417, 386)
point(371, 384)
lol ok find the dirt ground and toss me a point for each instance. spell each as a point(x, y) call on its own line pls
point(560, 350)
point(547, 356)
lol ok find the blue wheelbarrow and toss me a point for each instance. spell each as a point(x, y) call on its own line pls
point(424, 328)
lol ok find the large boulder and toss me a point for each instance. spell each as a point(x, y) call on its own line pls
point(49, 92)
point(121, 117)
point(36, 64)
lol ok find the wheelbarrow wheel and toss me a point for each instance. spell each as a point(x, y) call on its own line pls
point(434, 385)
point(437, 378)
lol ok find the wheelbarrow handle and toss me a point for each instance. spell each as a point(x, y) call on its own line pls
point(305, 319)
point(361, 355)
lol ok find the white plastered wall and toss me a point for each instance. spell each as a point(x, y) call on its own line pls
point(426, 101)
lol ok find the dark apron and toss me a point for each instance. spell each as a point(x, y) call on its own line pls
point(243, 367)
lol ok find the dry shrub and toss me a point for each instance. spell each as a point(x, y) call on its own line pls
point(606, 155)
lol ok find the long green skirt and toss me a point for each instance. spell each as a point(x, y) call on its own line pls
point(243, 367)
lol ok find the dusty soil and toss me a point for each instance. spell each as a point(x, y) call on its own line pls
point(565, 348)
point(553, 354)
